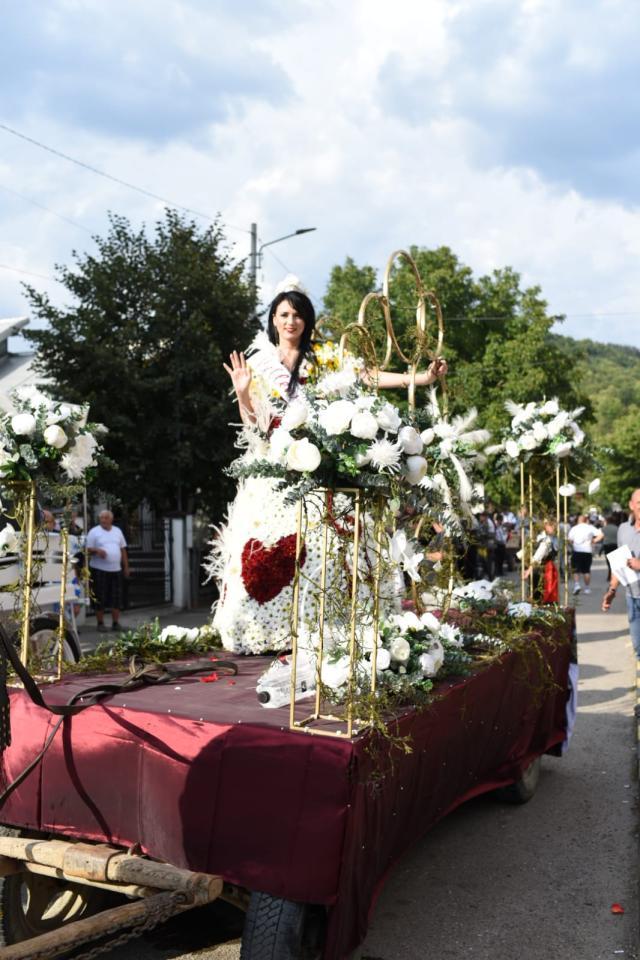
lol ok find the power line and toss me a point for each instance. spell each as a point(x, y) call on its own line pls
point(108, 176)
point(28, 273)
point(42, 207)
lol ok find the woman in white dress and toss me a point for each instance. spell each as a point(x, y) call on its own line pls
point(254, 554)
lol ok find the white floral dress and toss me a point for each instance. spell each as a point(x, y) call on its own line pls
point(253, 556)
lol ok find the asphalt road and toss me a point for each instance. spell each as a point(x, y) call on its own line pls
point(494, 882)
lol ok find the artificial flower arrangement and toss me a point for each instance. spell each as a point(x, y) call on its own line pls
point(540, 428)
point(47, 440)
point(456, 450)
point(339, 434)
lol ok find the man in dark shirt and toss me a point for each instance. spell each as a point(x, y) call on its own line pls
point(629, 535)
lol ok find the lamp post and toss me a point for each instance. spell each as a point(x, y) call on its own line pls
point(256, 252)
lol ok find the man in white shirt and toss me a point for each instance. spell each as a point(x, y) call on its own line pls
point(582, 536)
point(108, 560)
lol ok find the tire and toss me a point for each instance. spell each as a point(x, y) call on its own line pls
point(277, 929)
point(31, 904)
point(523, 789)
point(44, 639)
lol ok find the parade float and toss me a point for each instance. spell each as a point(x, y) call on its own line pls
point(288, 786)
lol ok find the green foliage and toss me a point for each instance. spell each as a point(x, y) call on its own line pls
point(143, 341)
point(611, 378)
point(497, 338)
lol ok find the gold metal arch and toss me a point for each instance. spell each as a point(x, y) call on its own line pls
point(426, 300)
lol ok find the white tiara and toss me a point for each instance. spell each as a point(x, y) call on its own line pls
point(289, 284)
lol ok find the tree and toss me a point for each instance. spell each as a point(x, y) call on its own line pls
point(497, 336)
point(152, 318)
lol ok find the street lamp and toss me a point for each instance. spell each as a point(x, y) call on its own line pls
point(256, 252)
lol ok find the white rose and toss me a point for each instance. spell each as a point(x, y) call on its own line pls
point(84, 448)
point(512, 449)
point(539, 431)
point(528, 441)
point(173, 631)
point(410, 440)
point(383, 659)
point(400, 650)
point(415, 469)
point(364, 425)
point(363, 459)
point(335, 419)
point(431, 661)
point(407, 621)
point(388, 418)
point(24, 424)
point(8, 540)
point(578, 434)
point(279, 443)
point(430, 622)
point(55, 437)
point(336, 674)
point(303, 456)
point(295, 415)
point(427, 436)
point(550, 408)
point(563, 449)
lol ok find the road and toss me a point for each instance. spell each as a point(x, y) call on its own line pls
point(494, 882)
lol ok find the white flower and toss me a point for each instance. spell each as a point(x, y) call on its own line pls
point(303, 456)
point(410, 440)
point(451, 634)
point(23, 424)
point(578, 434)
point(388, 418)
point(427, 436)
point(80, 456)
point(415, 469)
point(400, 650)
point(567, 490)
point(279, 443)
point(55, 437)
point(550, 408)
point(406, 621)
point(362, 459)
point(335, 418)
point(296, 414)
point(512, 449)
point(364, 425)
point(8, 540)
point(338, 382)
point(594, 486)
point(410, 565)
point(178, 633)
point(431, 661)
point(430, 622)
point(557, 425)
point(563, 449)
point(385, 455)
point(520, 609)
point(335, 674)
point(476, 590)
point(365, 401)
point(539, 431)
point(397, 545)
point(383, 659)
point(528, 441)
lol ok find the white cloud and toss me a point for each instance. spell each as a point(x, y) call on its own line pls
point(382, 127)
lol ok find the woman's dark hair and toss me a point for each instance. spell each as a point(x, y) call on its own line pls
point(304, 308)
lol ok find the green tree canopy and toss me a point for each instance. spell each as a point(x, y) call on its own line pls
point(151, 318)
point(497, 335)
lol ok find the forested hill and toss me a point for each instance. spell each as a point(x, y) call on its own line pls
point(610, 377)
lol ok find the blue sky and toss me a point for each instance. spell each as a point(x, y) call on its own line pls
point(507, 129)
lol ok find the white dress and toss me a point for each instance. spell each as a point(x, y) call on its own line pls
point(253, 556)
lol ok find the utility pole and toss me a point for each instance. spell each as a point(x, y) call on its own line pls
point(253, 263)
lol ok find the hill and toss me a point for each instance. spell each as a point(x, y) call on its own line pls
point(610, 378)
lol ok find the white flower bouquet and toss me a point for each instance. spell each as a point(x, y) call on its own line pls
point(47, 440)
point(540, 428)
point(339, 435)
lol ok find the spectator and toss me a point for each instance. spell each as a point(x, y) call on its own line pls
point(487, 544)
point(582, 536)
point(108, 560)
point(629, 535)
point(610, 542)
point(502, 537)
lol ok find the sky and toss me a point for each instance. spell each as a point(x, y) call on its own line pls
point(508, 130)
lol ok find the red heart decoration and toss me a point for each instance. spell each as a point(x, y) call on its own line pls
point(266, 570)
